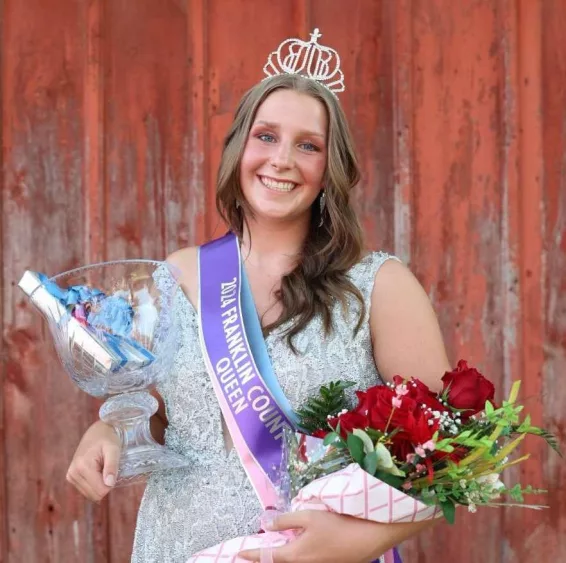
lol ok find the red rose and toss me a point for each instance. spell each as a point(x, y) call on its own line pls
point(419, 430)
point(467, 389)
point(348, 421)
point(402, 410)
point(320, 433)
point(418, 391)
point(376, 405)
point(368, 399)
point(416, 430)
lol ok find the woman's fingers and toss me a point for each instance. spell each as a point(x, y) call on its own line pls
point(86, 474)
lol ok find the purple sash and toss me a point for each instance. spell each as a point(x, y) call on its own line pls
point(254, 418)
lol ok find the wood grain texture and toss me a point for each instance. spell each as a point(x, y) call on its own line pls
point(113, 116)
point(147, 128)
point(42, 218)
point(553, 527)
point(457, 212)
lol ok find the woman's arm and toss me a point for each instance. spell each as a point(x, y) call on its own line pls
point(405, 333)
point(407, 341)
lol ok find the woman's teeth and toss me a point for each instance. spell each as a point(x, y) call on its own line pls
point(278, 186)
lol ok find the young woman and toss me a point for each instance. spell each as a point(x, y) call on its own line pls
point(329, 310)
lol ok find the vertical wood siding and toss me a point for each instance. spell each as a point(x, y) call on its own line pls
point(112, 119)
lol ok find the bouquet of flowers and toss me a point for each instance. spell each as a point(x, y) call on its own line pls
point(442, 449)
point(402, 454)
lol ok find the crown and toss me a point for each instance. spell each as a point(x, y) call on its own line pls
point(308, 59)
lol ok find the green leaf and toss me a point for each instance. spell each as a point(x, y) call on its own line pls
point(370, 463)
point(368, 444)
point(547, 436)
point(391, 480)
point(340, 444)
point(448, 510)
point(329, 438)
point(488, 408)
point(375, 435)
point(525, 424)
point(356, 447)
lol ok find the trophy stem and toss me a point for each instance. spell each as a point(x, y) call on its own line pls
point(141, 455)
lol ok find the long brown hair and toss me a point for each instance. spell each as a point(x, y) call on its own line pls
point(320, 278)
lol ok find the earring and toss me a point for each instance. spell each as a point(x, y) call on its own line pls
point(238, 205)
point(322, 208)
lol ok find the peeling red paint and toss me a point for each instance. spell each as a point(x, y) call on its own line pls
point(113, 116)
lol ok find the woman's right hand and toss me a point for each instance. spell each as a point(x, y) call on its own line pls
point(95, 463)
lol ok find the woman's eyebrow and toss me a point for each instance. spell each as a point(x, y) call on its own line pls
point(273, 125)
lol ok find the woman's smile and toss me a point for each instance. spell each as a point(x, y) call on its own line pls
point(277, 185)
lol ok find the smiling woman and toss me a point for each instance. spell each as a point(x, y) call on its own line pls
point(288, 301)
point(281, 169)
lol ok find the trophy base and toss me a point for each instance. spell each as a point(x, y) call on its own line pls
point(141, 455)
point(138, 463)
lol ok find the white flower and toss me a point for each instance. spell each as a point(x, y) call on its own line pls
point(472, 508)
point(493, 483)
point(491, 479)
point(463, 483)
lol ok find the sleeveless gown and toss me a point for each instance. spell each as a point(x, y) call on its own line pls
point(187, 510)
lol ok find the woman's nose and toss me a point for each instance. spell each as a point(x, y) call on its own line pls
point(282, 159)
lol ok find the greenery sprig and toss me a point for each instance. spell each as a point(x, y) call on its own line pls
point(330, 401)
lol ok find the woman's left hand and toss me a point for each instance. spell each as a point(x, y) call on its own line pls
point(325, 537)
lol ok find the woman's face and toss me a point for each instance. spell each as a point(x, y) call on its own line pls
point(285, 156)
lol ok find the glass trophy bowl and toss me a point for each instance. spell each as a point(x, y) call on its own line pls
point(114, 331)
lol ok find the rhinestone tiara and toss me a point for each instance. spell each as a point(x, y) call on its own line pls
point(308, 59)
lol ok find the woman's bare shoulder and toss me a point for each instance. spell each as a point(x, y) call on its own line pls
point(184, 257)
point(405, 332)
point(186, 261)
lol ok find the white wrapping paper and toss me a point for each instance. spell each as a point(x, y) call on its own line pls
point(351, 491)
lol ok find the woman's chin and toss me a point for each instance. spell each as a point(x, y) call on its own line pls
point(272, 215)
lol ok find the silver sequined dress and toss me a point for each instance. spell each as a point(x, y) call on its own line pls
point(185, 511)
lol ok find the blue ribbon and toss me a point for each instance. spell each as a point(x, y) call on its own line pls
point(259, 349)
point(114, 314)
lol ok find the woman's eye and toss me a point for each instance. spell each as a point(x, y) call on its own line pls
point(266, 137)
point(310, 147)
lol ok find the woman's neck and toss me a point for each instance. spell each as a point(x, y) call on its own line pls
point(273, 244)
